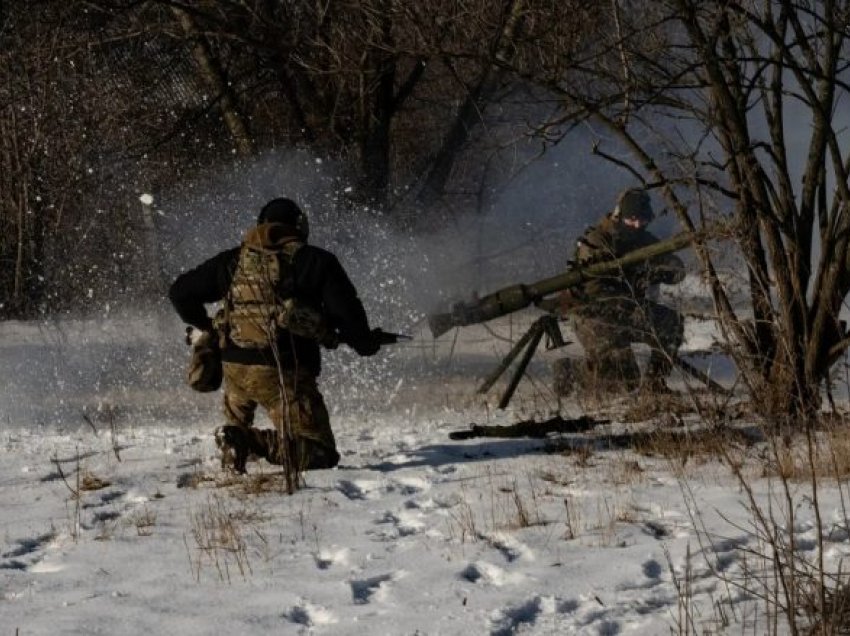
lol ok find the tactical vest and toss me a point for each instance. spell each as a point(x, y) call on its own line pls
point(261, 303)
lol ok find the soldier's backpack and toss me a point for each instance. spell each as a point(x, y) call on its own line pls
point(261, 301)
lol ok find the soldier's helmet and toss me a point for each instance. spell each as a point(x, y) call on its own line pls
point(287, 212)
point(634, 203)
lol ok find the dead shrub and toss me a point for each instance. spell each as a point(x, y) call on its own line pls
point(144, 521)
point(219, 539)
point(835, 618)
point(679, 445)
point(683, 446)
point(669, 407)
point(789, 456)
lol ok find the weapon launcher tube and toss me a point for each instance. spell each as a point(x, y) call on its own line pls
point(510, 299)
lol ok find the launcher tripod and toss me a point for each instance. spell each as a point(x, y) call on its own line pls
point(544, 326)
point(548, 326)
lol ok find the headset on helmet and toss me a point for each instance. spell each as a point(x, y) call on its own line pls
point(633, 203)
point(287, 212)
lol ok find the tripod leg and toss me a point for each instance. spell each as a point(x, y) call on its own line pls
point(523, 364)
point(508, 359)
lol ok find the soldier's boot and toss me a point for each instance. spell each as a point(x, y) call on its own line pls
point(314, 456)
point(238, 445)
point(657, 370)
point(308, 454)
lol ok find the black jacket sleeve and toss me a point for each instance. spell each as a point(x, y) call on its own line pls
point(321, 273)
point(207, 283)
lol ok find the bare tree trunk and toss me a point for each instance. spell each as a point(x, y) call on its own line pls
point(378, 112)
point(213, 75)
point(375, 145)
point(471, 111)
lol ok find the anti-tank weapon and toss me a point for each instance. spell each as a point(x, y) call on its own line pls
point(516, 297)
point(510, 299)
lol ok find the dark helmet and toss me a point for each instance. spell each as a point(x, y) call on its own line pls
point(286, 212)
point(634, 203)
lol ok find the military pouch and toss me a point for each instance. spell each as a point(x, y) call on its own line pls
point(205, 371)
point(301, 319)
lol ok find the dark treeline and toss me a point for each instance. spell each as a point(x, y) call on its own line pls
point(101, 100)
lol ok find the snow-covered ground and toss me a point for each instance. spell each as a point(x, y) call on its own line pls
point(412, 534)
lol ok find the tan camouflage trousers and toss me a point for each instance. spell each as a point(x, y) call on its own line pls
point(291, 401)
point(607, 331)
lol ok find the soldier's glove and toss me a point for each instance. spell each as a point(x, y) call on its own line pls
point(378, 338)
point(371, 345)
point(198, 337)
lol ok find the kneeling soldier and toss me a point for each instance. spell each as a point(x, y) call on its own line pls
point(283, 298)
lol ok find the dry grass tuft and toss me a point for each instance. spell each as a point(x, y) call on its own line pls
point(219, 538)
point(144, 521)
point(668, 407)
point(682, 446)
point(791, 457)
point(679, 445)
point(671, 408)
point(193, 480)
point(835, 617)
point(258, 483)
point(89, 481)
point(582, 453)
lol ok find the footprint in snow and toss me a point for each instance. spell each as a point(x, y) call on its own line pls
point(359, 489)
point(482, 572)
point(411, 485)
point(655, 529)
point(25, 555)
point(309, 615)
point(652, 569)
point(510, 547)
point(327, 558)
point(423, 505)
point(404, 523)
point(729, 544)
point(104, 498)
point(373, 588)
point(507, 621)
point(723, 554)
point(28, 546)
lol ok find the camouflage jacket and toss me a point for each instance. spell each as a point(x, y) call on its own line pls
point(609, 240)
point(318, 278)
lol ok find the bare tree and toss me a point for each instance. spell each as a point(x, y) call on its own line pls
point(394, 86)
point(80, 120)
point(703, 97)
point(214, 77)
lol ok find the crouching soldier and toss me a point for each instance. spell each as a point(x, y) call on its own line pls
point(612, 311)
point(282, 299)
